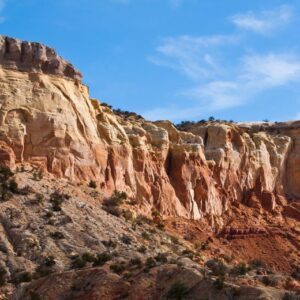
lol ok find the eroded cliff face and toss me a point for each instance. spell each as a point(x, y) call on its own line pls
point(47, 118)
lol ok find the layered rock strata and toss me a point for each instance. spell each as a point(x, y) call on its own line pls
point(47, 118)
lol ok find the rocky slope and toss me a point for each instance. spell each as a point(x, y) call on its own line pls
point(234, 185)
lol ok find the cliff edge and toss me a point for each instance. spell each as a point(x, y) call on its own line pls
point(48, 119)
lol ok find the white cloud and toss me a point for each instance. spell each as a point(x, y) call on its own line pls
point(220, 82)
point(217, 87)
point(192, 56)
point(265, 21)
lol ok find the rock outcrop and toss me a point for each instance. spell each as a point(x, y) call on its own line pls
point(34, 57)
point(48, 119)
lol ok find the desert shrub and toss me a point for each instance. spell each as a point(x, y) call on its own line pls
point(34, 296)
point(142, 249)
point(188, 253)
point(88, 257)
point(37, 175)
point(5, 173)
point(161, 257)
point(39, 198)
point(204, 246)
point(217, 267)
point(21, 169)
point(57, 235)
point(3, 273)
point(128, 215)
point(257, 264)
point(42, 270)
point(101, 259)
point(46, 267)
point(56, 199)
point(219, 283)
point(106, 105)
point(25, 190)
point(161, 226)
point(49, 214)
point(126, 239)
point(240, 269)
point(145, 235)
point(116, 199)
point(266, 280)
point(109, 244)
point(177, 291)
point(296, 273)
point(5, 193)
point(150, 263)
point(136, 262)
point(174, 240)
point(13, 186)
point(113, 210)
point(92, 184)
point(49, 261)
point(78, 263)
point(118, 268)
point(23, 277)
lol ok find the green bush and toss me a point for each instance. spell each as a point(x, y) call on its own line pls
point(161, 257)
point(177, 291)
point(38, 175)
point(13, 186)
point(219, 283)
point(92, 184)
point(116, 199)
point(257, 264)
point(240, 269)
point(50, 261)
point(126, 239)
point(5, 173)
point(296, 273)
point(88, 257)
point(118, 268)
point(78, 263)
point(150, 262)
point(217, 267)
point(39, 198)
point(23, 277)
point(145, 235)
point(101, 259)
point(136, 262)
point(56, 199)
point(142, 249)
point(5, 193)
point(3, 274)
point(57, 235)
point(34, 296)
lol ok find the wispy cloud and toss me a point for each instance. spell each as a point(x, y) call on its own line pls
point(263, 22)
point(195, 57)
point(215, 83)
point(254, 74)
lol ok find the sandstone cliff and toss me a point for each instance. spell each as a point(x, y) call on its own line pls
point(47, 118)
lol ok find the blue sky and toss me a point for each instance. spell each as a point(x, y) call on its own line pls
point(174, 59)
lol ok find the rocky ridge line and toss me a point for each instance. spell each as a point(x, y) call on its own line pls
point(34, 57)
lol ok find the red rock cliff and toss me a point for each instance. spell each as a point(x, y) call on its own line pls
point(47, 118)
